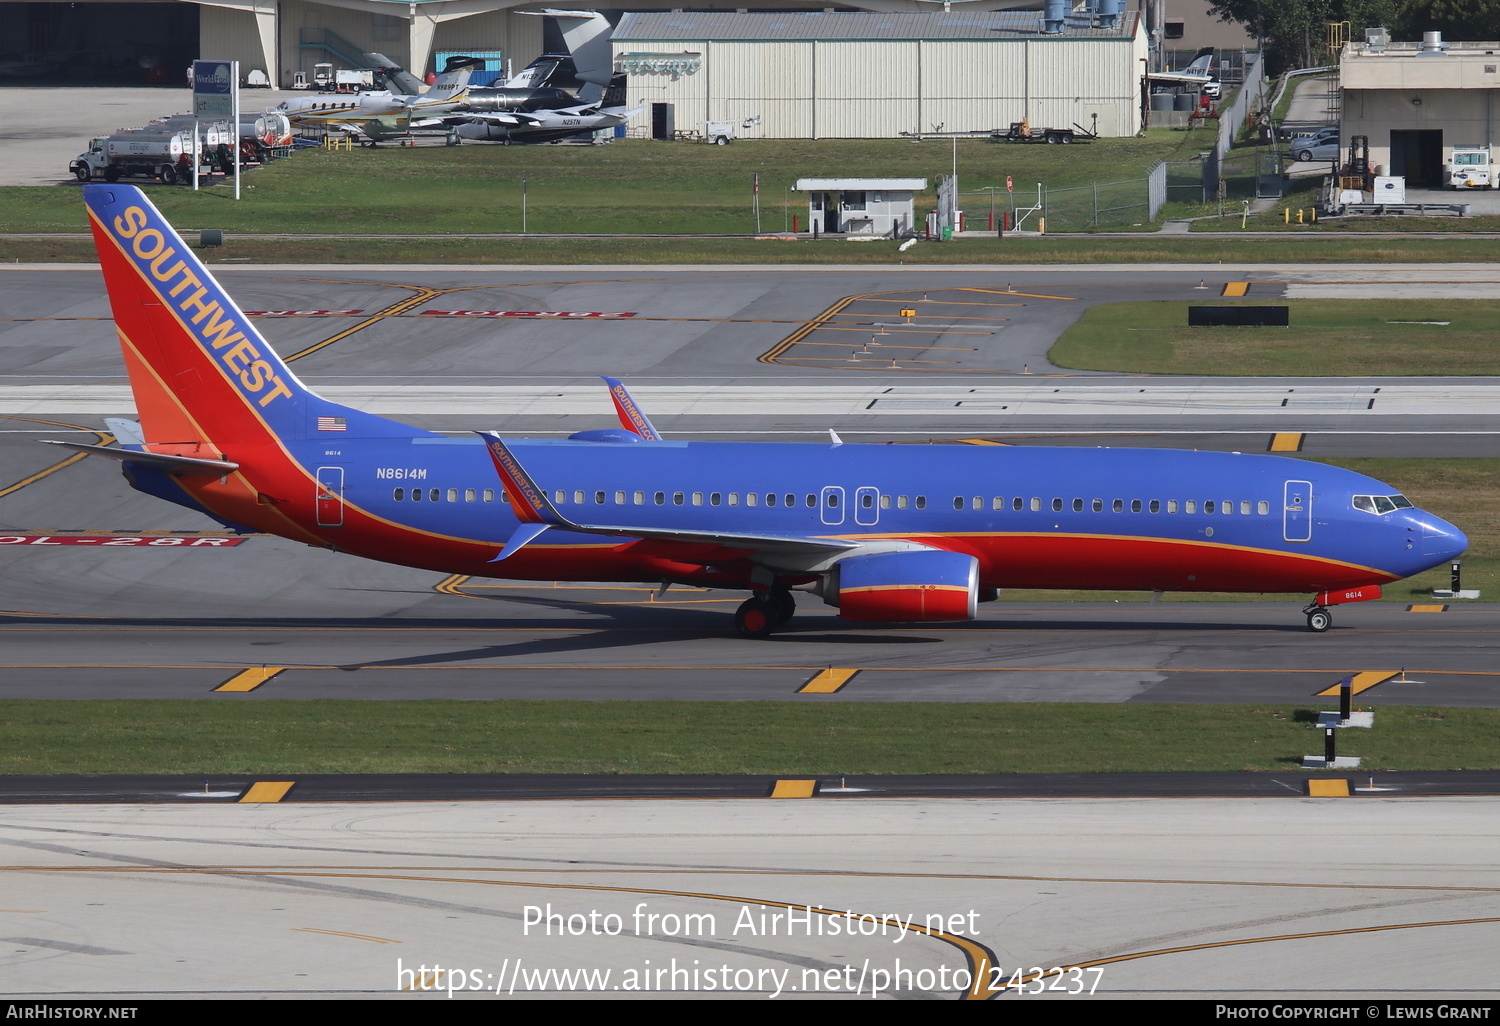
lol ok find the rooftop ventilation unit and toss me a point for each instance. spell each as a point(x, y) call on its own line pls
point(1377, 39)
point(1054, 16)
point(1432, 45)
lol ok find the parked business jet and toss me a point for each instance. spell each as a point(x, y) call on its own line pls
point(373, 114)
point(885, 533)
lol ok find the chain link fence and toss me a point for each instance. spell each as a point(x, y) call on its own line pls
point(1099, 206)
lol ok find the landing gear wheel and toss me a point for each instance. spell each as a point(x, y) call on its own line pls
point(1319, 620)
point(755, 618)
point(454, 139)
point(783, 606)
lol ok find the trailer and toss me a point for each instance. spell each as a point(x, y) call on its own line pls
point(163, 154)
point(1022, 132)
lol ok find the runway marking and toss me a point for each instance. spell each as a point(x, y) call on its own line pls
point(1009, 292)
point(695, 668)
point(1289, 441)
point(979, 956)
point(1362, 682)
point(827, 682)
point(1426, 608)
point(249, 680)
point(1337, 788)
point(421, 296)
point(794, 789)
point(341, 933)
point(1235, 288)
point(266, 792)
point(102, 437)
point(1018, 981)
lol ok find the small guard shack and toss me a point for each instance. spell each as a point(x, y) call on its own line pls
point(860, 206)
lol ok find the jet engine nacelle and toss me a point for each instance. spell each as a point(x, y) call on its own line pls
point(927, 585)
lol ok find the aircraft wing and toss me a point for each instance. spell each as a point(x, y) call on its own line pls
point(537, 515)
point(1180, 77)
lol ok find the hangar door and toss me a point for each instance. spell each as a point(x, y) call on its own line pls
point(97, 43)
point(1417, 156)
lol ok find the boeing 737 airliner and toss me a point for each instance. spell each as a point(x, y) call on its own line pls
point(885, 533)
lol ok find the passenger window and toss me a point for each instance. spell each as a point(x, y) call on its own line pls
point(697, 498)
point(713, 498)
point(1244, 507)
point(751, 498)
point(677, 498)
point(921, 502)
point(958, 502)
point(578, 497)
point(399, 495)
point(468, 495)
point(1208, 505)
point(1036, 504)
point(598, 498)
point(770, 498)
point(1018, 504)
point(640, 498)
point(1057, 505)
point(432, 494)
point(452, 494)
point(1171, 505)
point(867, 501)
point(812, 502)
point(416, 495)
point(1098, 505)
point(559, 497)
point(1118, 506)
point(1191, 506)
point(901, 502)
point(660, 498)
point(1135, 505)
point(1155, 506)
point(619, 498)
point(734, 498)
point(489, 495)
point(997, 503)
point(791, 500)
point(1077, 505)
point(1262, 507)
point(885, 501)
point(833, 500)
point(1227, 507)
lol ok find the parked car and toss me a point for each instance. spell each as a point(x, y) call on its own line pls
point(1310, 136)
point(1326, 150)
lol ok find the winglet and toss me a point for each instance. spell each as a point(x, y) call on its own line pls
point(527, 500)
point(631, 417)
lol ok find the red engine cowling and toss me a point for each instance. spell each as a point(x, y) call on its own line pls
point(927, 585)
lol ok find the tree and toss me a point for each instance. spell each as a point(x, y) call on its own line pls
point(1455, 19)
point(1294, 31)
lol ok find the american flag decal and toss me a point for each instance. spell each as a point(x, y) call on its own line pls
point(332, 424)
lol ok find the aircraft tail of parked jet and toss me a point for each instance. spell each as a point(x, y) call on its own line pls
point(1199, 72)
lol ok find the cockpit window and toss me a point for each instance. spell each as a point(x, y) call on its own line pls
point(1378, 504)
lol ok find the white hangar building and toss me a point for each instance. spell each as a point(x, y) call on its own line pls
point(863, 75)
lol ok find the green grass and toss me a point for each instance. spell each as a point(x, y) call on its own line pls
point(1231, 252)
point(630, 186)
point(201, 738)
point(1327, 337)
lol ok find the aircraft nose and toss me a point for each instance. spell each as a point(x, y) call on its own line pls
point(1441, 541)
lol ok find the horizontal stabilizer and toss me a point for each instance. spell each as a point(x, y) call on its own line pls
point(170, 464)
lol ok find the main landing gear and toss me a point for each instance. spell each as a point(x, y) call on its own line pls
point(1319, 619)
point(759, 615)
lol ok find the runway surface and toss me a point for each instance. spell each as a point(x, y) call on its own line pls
point(949, 899)
point(112, 593)
point(367, 887)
